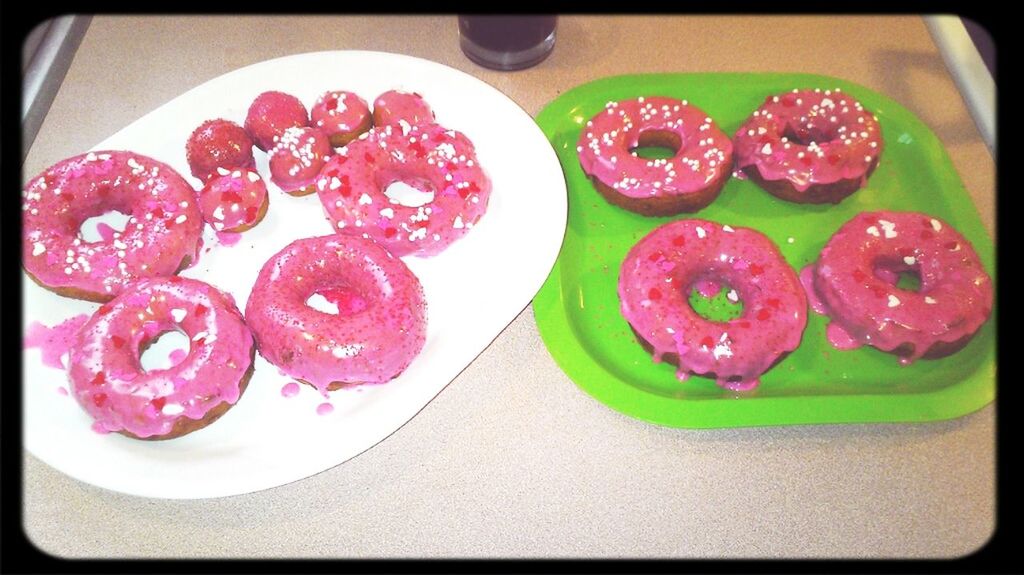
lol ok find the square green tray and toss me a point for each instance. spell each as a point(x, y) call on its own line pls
point(577, 309)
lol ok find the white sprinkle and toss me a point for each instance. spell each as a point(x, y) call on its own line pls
point(909, 260)
point(790, 240)
point(767, 149)
point(727, 228)
point(222, 172)
point(38, 248)
point(732, 296)
point(874, 231)
point(457, 224)
point(365, 199)
point(172, 409)
point(181, 219)
point(893, 301)
point(387, 213)
point(701, 233)
point(254, 177)
point(178, 314)
point(888, 227)
point(929, 299)
point(936, 224)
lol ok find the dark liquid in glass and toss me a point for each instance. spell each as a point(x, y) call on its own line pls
point(507, 33)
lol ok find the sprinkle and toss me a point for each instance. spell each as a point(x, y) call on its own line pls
point(173, 409)
point(929, 299)
point(365, 199)
point(732, 296)
point(727, 228)
point(181, 219)
point(178, 314)
point(893, 301)
point(888, 227)
point(38, 248)
point(767, 149)
point(387, 213)
point(936, 224)
point(458, 223)
point(701, 233)
point(909, 260)
point(220, 171)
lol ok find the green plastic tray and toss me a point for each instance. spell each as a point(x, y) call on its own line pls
point(577, 308)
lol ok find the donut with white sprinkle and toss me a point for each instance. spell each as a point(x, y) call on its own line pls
point(809, 146)
point(104, 359)
point(161, 236)
point(270, 114)
point(396, 106)
point(661, 270)
point(218, 144)
point(855, 282)
point(439, 163)
point(377, 325)
point(341, 115)
point(234, 201)
point(296, 159)
point(686, 182)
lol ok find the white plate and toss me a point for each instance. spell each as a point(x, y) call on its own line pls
point(474, 289)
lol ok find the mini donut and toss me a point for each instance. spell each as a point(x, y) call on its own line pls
point(105, 373)
point(687, 182)
point(270, 114)
point(396, 106)
point(234, 201)
point(381, 329)
point(659, 273)
point(297, 158)
point(809, 146)
point(218, 144)
point(341, 115)
point(429, 158)
point(854, 283)
point(162, 233)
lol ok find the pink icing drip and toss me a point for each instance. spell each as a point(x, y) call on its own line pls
point(177, 356)
point(807, 281)
point(56, 341)
point(228, 238)
point(840, 338)
point(105, 231)
point(290, 389)
point(324, 409)
point(62, 390)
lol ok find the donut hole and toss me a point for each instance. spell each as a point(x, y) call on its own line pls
point(803, 135)
point(898, 273)
point(342, 301)
point(657, 145)
point(409, 192)
point(101, 228)
point(164, 350)
point(714, 300)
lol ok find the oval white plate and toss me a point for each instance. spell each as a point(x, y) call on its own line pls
point(474, 289)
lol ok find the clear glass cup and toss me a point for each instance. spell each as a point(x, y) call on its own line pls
point(507, 42)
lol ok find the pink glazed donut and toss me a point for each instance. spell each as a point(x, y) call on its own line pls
point(161, 237)
point(433, 160)
point(270, 114)
point(809, 146)
point(395, 106)
point(381, 322)
point(341, 115)
point(108, 382)
point(687, 182)
point(854, 282)
point(662, 268)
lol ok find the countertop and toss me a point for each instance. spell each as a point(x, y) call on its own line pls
point(512, 459)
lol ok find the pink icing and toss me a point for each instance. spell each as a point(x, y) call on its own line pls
point(605, 144)
point(104, 362)
point(855, 281)
point(164, 225)
point(233, 200)
point(324, 409)
point(106, 232)
point(177, 356)
point(290, 389)
point(653, 299)
point(427, 157)
point(54, 341)
point(297, 158)
point(371, 346)
point(396, 106)
point(61, 390)
point(218, 144)
point(228, 239)
point(341, 115)
point(809, 137)
point(270, 114)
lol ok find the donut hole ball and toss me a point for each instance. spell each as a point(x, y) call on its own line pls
point(163, 350)
point(657, 145)
point(101, 227)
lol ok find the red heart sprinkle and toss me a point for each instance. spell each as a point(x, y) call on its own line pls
point(390, 232)
point(859, 275)
point(763, 314)
point(756, 270)
point(655, 256)
point(707, 341)
point(99, 399)
point(99, 379)
point(200, 310)
point(159, 402)
point(117, 341)
point(678, 241)
point(654, 294)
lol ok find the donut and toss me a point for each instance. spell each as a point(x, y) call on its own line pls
point(297, 158)
point(234, 201)
point(218, 144)
point(105, 373)
point(439, 163)
point(659, 273)
point(687, 182)
point(270, 114)
point(341, 115)
point(809, 146)
point(395, 106)
point(380, 326)
point(161, 237)
point(854, 282)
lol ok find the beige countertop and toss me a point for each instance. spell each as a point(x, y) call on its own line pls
point(512, 459)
